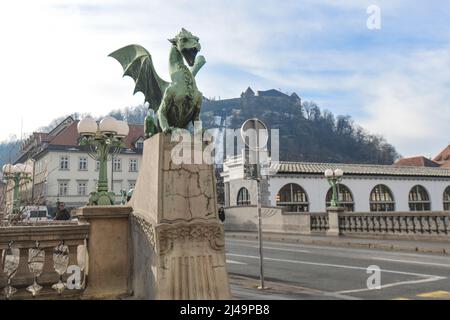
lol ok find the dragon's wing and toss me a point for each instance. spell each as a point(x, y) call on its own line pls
point(137, 63)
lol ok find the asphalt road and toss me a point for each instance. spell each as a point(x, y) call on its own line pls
point(296, 271)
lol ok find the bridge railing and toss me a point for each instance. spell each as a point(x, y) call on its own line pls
point(319, 222)
point(420, 224)
point(433, 225)
point(45, 259)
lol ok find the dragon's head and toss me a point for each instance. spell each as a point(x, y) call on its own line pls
point(187, 44)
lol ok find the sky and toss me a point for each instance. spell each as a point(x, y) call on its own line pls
point(394, 80)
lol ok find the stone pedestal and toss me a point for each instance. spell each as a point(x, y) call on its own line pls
point(108, 251)
point(333, 220)
point(178, 241)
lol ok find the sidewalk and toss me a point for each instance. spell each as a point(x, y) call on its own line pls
point(343, 241)
point(245, 288)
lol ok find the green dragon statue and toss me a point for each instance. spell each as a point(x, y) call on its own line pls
point(175, 103)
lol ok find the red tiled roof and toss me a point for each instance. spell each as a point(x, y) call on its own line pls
point(443, 156)
point(69, 136)
point(136, 132)
point(40, 136)
point(419, 161)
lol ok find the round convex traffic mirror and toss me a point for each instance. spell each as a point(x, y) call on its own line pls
point(254, 133)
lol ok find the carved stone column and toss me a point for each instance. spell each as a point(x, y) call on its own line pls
point(178, 241)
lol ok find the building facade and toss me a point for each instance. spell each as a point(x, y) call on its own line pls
point(302, 187)
point(64, 171)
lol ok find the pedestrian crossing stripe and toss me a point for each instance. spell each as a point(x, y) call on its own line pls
point(435, 294)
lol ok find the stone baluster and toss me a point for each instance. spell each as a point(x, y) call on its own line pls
point(60, 257)
point(405, 224)
point(397, 224)
point(435, 224)
point(428, 224)
point(36, 261)
point(414, 224)
point(446, 224)
point(376, 224)
point(385, 224)
point(11, 264)
point(422, 224)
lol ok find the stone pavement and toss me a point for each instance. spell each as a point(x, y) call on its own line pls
point(344, 241)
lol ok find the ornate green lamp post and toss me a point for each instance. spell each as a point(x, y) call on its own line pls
point(334, 177)
point(104, 139)
point(19, 173)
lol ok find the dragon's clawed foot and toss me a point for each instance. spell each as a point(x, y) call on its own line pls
point(168, 129)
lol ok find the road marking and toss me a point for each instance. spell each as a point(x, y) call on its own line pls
point(340, 248)
point(428, 278)
point(401, 298)
point(435, 295)
point(282, 249)
point(394, 284)
point(275, 248)
point(265, 241)
point(422, 275)
point(235, 262)
point(415, 262)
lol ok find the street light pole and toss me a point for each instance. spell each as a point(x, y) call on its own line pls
point(333, 178)
point(108, 135)
point(258, 206)
point(17, 174)
point(257, 125)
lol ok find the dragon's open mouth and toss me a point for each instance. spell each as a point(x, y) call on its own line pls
point(189, 55)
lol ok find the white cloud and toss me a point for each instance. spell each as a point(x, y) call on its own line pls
point(54, 58)
point(410, 103)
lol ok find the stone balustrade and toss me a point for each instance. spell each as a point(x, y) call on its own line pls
point(38, 258)
point(432, 225)
point(408, 224)
point(319, 222)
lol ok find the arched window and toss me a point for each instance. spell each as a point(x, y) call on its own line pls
point(243, 198)
point(381, 199)
point(419, 199)
point(447, 199)
point(293, 197)
point(345, 197)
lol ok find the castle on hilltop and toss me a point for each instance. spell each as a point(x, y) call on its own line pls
point(269, 93)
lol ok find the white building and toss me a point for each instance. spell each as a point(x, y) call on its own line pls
point(63, 170)
point(302, 187)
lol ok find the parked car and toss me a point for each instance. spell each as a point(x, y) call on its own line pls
point(35, 213)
